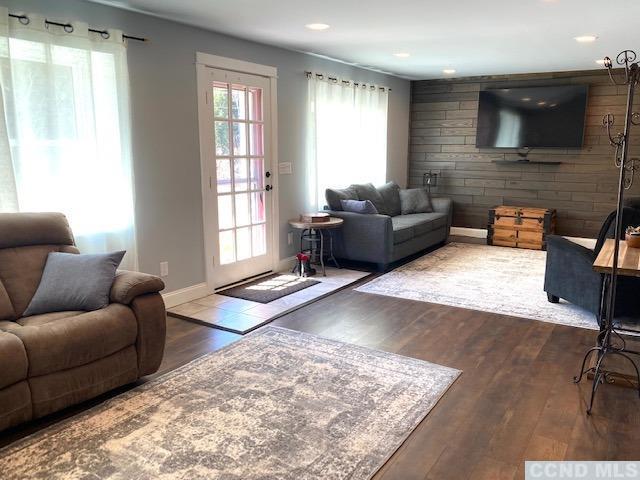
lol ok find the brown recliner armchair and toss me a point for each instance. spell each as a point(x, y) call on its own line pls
point(53, 360)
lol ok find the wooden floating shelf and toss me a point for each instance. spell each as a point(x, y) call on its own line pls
point(524, 162)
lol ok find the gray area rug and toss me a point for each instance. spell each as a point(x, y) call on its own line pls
point(277, 404)
point(494, 279)
point(268, 289)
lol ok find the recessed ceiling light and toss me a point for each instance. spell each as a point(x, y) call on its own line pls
point(586, 38)
point(449, 71)
point(542, 103)
point(526, 99)
point(317, 26)
point(402, 54)
point(600, 61)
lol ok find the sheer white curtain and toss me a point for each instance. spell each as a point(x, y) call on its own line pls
point(347, 136)
point(65, 130)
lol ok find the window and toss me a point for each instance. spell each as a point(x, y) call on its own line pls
point(64, 141)
point(347, 136)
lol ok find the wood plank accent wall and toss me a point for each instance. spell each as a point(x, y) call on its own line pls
point(581, 189)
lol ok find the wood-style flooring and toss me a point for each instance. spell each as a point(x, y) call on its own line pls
point(514, 401)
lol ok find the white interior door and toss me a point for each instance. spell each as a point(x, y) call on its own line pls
point(235, 129)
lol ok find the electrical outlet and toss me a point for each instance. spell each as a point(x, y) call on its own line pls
point(290, 238)
point(164, 269)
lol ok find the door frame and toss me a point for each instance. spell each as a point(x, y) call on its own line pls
point(209, 215)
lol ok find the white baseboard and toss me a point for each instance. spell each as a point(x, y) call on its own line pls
point(177, 297)
point(482, 233)
point(285, 264)
point(469, 232)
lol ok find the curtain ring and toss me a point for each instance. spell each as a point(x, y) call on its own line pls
point(24, 20)
point(68, 28)
point(105, 34)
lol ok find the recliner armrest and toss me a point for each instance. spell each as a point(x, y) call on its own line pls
point(557, 243)
point(129, 285)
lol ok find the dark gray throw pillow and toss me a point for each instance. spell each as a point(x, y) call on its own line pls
point(367, 191)
point(75, 282)
point(358, 206)
point(415, 200)
point(390, 193)
point(335, 195)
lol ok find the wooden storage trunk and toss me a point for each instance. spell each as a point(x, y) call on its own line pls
point(521, 227)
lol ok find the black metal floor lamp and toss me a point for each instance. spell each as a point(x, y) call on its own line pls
point(606, 344)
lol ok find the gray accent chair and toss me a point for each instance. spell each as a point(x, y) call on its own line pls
point(382, 238)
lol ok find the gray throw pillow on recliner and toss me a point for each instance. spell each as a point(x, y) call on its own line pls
point(335, 195)
point(390, 193)
point(415, 200)
point(75, 282)
point(366, 191)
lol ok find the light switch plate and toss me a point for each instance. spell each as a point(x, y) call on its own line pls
point(285, 168)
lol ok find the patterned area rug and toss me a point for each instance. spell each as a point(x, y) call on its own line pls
point(501, 280)
point(277, 404)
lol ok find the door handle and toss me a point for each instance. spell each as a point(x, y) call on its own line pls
point(268, 188)
point(268, 174)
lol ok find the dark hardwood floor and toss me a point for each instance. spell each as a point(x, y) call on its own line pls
point(514, 401)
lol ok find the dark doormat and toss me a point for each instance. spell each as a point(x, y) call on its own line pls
point(268, 289)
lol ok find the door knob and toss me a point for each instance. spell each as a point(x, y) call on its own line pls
point(268, 188)
point(268, 174)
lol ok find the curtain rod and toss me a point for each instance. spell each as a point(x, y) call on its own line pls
point(335, 80)
point(67, 27)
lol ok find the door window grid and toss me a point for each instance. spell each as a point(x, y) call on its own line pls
point(239, 109)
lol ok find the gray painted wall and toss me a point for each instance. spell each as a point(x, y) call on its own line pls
point(165, 127)
point(582, 188)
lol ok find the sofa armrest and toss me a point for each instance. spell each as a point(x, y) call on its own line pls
point(364, 237)
point(128, 285)
point(443, 205)
point(569, 273)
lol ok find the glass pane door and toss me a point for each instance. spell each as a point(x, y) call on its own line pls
point(239, 171)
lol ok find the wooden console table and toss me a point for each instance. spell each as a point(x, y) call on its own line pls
point(629, 266)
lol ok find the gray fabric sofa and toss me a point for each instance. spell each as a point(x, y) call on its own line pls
point(385, 238)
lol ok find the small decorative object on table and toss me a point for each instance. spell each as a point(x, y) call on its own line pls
point(632, 236)
point(315, 217)
point(521, 227)
point(303, 266)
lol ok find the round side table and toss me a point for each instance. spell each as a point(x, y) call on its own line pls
point(314, 233)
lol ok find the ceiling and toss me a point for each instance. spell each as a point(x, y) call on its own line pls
point(474, 37)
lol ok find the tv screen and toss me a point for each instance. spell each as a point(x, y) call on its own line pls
point(532, 117)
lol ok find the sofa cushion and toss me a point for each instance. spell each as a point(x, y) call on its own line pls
point(13, 360)
point(366, 191)
point(406, 227)
point(75, 282)
point(334, 195)
point(390, 193)
point(57, 341)
point(359, 206)
point(415, 200)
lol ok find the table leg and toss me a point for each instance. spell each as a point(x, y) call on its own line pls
point(324, 273)
point(331, 256)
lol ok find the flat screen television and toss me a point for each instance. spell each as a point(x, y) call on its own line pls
point(533, 117)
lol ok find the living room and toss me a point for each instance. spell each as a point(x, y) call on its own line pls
point(280, 240)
